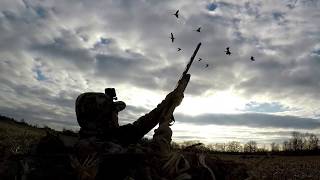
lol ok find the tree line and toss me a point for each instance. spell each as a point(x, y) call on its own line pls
point(298, 142)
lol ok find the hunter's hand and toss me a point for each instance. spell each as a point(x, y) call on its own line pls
point(177, 94)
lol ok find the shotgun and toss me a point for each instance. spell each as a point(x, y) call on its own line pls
point(175, 97)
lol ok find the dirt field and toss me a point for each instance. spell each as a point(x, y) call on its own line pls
point(279, 167)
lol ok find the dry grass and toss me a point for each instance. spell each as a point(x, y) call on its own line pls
point(279, 167)
point(17, 139)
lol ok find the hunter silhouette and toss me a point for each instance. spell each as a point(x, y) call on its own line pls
point(97, 115)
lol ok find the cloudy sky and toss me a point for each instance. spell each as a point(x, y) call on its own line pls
point(51, 51)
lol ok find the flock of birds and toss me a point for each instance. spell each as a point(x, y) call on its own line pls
point(227, 51)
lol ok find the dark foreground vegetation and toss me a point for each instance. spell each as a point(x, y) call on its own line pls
point(28, 152)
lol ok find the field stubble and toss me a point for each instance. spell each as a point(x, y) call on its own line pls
point(279, 167)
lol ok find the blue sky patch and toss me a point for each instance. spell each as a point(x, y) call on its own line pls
point(212, 6)
point(102, 42)
point(265, 107)
point(105, 41)
point(278, 15)
point(41, 12)
point(39, 74)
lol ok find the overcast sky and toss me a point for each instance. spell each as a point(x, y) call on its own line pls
point(51, 51)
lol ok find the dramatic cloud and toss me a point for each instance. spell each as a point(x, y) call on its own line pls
point(253, 120)
point(51, 51)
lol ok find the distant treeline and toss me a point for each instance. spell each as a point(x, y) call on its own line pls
point(303, 143)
